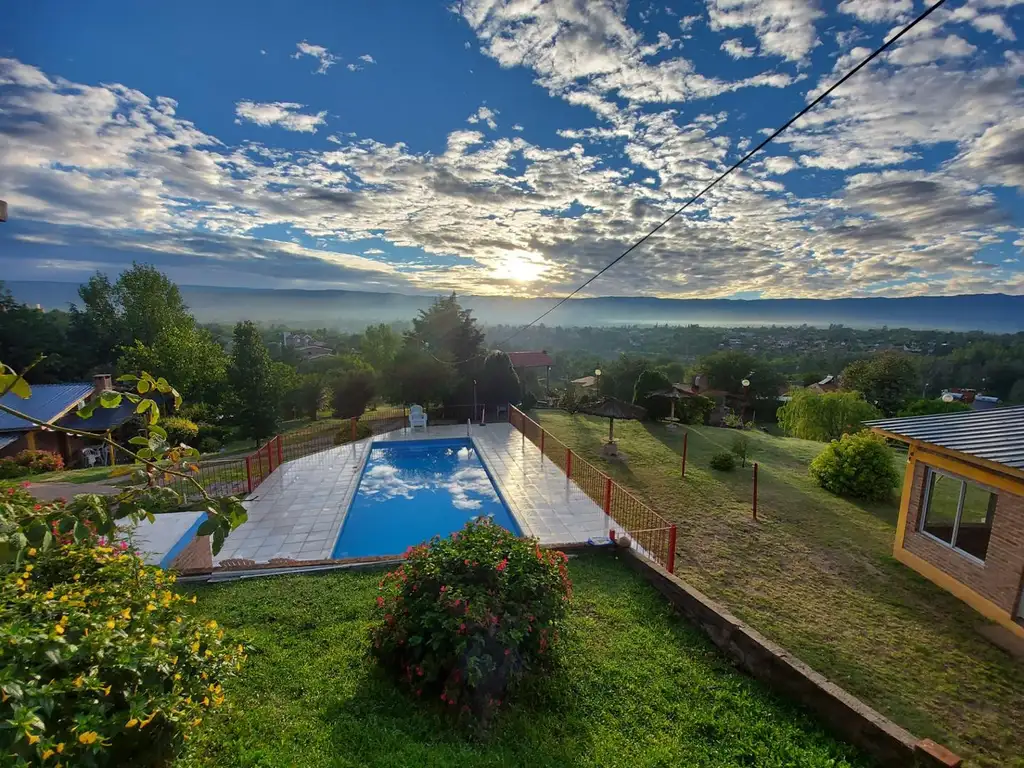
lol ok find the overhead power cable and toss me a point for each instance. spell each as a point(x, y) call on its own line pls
point(775, 134)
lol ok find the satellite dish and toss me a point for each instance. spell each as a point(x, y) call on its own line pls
point(948, 398)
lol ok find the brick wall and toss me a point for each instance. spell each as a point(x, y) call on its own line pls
point(999, 578)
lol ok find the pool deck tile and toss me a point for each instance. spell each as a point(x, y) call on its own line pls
point(310, 496)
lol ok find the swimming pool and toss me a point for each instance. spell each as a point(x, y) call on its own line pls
point(412, 490)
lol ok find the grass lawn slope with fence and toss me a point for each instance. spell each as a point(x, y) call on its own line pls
point(636, 686)
point(816, 574)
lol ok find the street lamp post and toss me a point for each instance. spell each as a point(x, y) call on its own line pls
point(597, 378)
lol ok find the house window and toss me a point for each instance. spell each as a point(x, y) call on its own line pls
point(958, 513)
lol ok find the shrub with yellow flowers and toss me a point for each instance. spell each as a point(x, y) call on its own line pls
point(99, 663)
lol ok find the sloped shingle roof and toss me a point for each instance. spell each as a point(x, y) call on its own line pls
point(995, 435)
point(48, 401)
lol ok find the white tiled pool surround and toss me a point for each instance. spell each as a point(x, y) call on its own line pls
point(298, 511)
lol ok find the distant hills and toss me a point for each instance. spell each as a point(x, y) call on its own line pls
point(350, 309)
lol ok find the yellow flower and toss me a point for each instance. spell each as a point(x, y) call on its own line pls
point(60, 748)
point(77, 577)
point(206, 701)
point(63, 598)
point(89, 737)
point(29, 567)
point(126, 613)
point(32, 738)
point(195, 647)
point(177, 675)
point(49, 595)
point(31, 551)
point(132, 723)
point(78, 681)
point(106, 691)
point(59, 629)
point(193, 598)
point(110, 624)
point(197, 721)
point(212, 624)
point(47, 754)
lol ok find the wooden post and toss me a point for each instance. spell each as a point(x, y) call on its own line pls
point(755, 490)
point(542, 445)
point(354, 421)
point(248, 473)
point(280, 452)
point(671, 567)
point(568, 463)
point(686, 439)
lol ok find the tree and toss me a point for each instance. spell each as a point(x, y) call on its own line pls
point(887, 380)
point(727, 371)
point(379, 345)
point(416, 377)
point(184, 354)
point(740, 447)
point(618, 378)
point(352, 392)
point(813, 416)
point(498, 383)
point(309, 395)
point(924, 407)
point(695, 410)
point(253, 387)
point(449, 333)
point(648, 382)
point(26, 333)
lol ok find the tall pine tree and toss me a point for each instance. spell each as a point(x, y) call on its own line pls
point(254, 388)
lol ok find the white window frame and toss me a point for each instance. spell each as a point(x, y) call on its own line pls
point(959, 511)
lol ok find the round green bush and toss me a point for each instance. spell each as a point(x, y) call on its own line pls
point(209, 445)
point(179, 430)
point(99, 666)
point(858, 465)
point(723, 461)
point(11, 469)
point(466, 618)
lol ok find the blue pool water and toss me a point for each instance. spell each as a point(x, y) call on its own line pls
point(410, 491)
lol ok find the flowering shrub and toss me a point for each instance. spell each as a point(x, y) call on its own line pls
point(98, 664)
point(40, 461)
point(858, 465)
point(179, 430)
point(465, 618)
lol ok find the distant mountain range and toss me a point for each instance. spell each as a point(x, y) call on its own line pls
point(984, 312)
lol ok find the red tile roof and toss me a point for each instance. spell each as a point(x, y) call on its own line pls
point(530, 359)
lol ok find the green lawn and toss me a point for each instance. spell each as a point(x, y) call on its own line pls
point(637, 687)
point(78, 476)
point(816, 574)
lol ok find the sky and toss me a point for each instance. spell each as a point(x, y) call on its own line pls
point(515, 148)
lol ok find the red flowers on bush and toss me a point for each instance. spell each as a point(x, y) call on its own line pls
point(466, 618)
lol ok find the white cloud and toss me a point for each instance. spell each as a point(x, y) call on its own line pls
point(983, 22)
point(783, 27)
point(368, 58)
point(325, 58)
point(263, 52)
point(353, 67)
point(686, 23)
point(373, 252)
point(877, 10)
point(283, 114)
point(925, 50)
point(735, 48)
point(517, 127)
point(484, 115)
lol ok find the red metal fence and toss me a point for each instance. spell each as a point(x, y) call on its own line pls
point(650, 531)
point(222, 477)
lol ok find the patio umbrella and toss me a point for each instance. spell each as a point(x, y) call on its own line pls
point(612, 408)
point(674, 395)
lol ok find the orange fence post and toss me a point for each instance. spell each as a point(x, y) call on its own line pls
point(755, 490)
point(568, 463)
point(280, 452)
point(354, 420)
point(608, 501)
point(671, 566)
point(686, 438)
point(542, 445)
point(248, 473)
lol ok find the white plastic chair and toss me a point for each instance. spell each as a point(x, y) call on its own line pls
point(417, 417)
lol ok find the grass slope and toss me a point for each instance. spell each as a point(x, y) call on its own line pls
point(637, 687)
point(816, 574)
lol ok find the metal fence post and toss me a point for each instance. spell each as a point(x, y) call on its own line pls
point(280, 452)
point(671, 566)
point(686, 438)
point(248, 473)
point(568, 463)
point(755, 490)
point(608, 501)
point(354, 420)
point(542, 445)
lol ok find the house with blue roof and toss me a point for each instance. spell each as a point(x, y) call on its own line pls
point(56, 404)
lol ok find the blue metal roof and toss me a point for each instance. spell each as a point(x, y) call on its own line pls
point(102, 419)
point(48, 401)
point(8, 438)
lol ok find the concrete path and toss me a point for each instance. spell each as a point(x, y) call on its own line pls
point(51, 491)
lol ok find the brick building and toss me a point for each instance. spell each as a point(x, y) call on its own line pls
point(961, 522)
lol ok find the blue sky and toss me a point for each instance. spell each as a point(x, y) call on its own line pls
point(513, 148)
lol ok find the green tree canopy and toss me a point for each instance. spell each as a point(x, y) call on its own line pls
point(184, 354)
point(416, 377)
point(887, 380)
point(379, 345)
point(646, 383)
point(924, 407)
point(813, 416)
point(449, 333)
point(255, 397)
point(728, 369)
point(618, 378)
point(498, 383)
